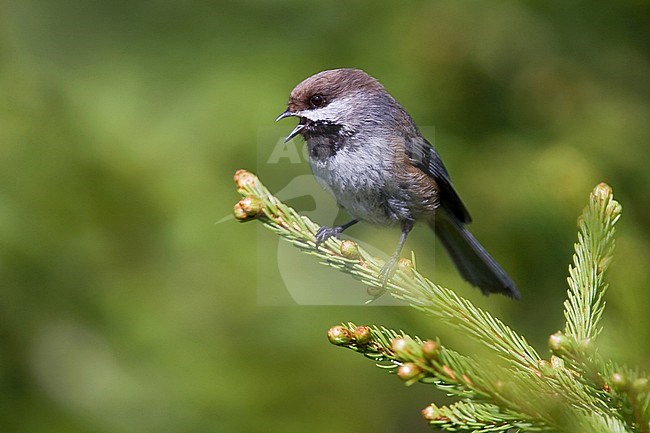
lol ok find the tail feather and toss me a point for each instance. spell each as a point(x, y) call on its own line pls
point(471, 259)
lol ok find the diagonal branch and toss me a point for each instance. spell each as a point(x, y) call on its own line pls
point(407, 284)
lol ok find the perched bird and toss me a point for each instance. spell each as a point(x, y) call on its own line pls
point(368, 153)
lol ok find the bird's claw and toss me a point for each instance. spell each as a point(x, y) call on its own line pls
point(387, 271)
point(384, 276)
point(324, 233)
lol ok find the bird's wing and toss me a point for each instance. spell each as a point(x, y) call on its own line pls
point(423, 156)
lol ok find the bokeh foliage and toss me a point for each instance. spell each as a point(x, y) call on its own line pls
point(124, 308)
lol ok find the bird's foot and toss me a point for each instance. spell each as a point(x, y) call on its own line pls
point(385, 273)
point(388, 270)
point(324, 233)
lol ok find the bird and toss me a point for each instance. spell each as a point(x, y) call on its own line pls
point(366, 150)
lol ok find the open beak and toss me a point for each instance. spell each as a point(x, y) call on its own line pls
point(286, 113)
point(298, 127)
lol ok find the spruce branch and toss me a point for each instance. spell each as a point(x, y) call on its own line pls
point(425, 361)
point(518, 390)
point(593, 254)
point(407, 284)
point(429, 362)
point(475, 417)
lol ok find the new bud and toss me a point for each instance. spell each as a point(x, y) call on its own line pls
point(339, 335)
point(349, 250)
point(430, 413)
point(602, 191)
point(248, 208)
point(409, 372)
point(244, 178)
point(400, 346)
point(559, 342)
point(619, 381)
point(431, 350)
point(252, 205)
point(362, 335)
point(557, 362)
point(239, 213)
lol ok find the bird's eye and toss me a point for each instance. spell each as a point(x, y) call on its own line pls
point(317, 100)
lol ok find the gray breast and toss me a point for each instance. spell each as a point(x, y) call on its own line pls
point(359, 181)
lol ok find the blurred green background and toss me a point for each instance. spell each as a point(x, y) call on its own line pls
point(125, 308)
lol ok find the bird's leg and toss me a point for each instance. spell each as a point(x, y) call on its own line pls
point(389, 267)
point(324, 233)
